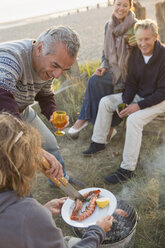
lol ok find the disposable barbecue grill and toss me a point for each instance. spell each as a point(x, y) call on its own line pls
point(122, 233)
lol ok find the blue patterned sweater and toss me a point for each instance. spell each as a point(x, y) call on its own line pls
point(20, 85)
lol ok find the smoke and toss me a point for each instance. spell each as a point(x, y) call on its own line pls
point(148, 185)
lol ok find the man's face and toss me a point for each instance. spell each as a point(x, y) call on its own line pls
point(53, 65)
point(146, 40)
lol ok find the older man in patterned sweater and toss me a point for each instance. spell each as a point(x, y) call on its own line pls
point(27, 68)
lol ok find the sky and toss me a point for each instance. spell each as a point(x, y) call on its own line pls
point(11, 10)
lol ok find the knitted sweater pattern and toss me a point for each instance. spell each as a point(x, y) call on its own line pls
point(17, 74)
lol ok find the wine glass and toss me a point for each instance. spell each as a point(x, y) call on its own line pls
point(59, 121)
point(127, 38)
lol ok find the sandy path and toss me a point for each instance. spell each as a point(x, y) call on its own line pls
point(89, 25)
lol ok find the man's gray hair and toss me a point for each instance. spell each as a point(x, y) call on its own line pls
point(146, 24)
point(63, 34)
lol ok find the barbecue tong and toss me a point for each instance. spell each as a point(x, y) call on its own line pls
point(62, 182)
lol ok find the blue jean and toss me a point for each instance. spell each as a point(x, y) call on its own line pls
point(97, 87)
point(49, 140)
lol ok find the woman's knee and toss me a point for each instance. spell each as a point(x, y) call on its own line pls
point(94, 80)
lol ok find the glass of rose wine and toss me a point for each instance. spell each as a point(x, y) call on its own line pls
point(59, 121)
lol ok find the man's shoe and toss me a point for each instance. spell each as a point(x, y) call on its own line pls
point(94, 148)
point(118, 176)
point(76, 182)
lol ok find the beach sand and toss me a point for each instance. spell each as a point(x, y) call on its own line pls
point(89, 25)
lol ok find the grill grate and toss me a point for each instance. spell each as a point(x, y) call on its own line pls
point(122, 226)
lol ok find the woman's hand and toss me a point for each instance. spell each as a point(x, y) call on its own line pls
point(105, 223)
point(55, 166)
point(55, 205)
point(132, 41)
point(100, 71)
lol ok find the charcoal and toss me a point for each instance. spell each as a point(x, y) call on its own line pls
point(121, 228)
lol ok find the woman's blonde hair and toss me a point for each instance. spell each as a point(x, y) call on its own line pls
point(20, 149)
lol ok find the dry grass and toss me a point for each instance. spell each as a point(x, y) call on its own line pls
point(143, 191)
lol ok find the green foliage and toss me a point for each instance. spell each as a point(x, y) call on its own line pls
point(90, 68)
point(56, 84)
point(71, 100)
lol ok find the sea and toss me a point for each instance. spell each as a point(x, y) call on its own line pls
point(15, 10)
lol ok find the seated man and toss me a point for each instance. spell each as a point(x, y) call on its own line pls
point(144, 96)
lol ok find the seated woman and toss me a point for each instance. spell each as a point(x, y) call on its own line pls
point(108, 79)
point(24, 222)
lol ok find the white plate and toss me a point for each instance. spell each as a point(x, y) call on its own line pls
point(69, 204)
